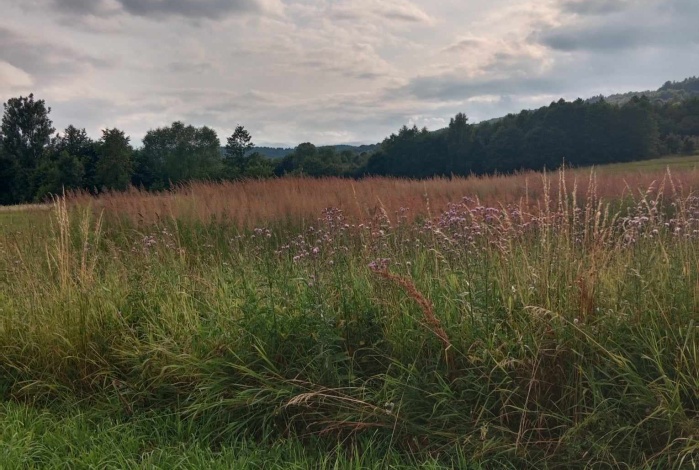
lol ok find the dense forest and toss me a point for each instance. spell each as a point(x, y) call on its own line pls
point(670, 92)
point(36, 162)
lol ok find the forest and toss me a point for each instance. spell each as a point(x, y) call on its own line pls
point(36, 162)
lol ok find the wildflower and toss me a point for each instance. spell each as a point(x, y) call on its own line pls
point(389, 406)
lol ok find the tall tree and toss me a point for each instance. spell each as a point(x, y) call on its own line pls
point(459, 140)
point(26, 131)
point(114, 165)
point(237, 147)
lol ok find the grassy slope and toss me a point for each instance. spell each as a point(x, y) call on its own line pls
point(672, 162)
point(570, 341)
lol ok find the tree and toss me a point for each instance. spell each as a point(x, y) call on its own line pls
point(74, 141)
point(459, 140)
point(258, 166)
point(56, 175)
point(505, 148)
point(26, 131)
point(673, 144)
point(181, 153)
point(237, 146)
point(114, 160)
point(688, 146)
point(77, 143)
point(8, 172)
point(147, 172)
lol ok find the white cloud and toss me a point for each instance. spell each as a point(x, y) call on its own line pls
point(13, 78)
point(329, 71)
point(397, 11)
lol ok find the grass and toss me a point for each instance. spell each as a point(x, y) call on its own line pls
point(78, 439)
point(298, 201)
point(558, 329)
point(676, 163)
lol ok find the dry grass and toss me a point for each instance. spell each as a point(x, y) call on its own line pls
point(257, 203)
point(26, 207)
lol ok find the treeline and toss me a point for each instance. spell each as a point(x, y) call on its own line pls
point(36, 162)
point(577, 132)
point(670, 92)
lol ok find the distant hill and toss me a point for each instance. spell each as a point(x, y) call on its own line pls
point(280, 152)
point(670, 92)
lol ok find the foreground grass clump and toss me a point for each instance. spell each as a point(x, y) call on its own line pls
point(74, 438)
point(557, 332)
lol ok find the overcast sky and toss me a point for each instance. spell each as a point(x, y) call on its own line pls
point(332, 71)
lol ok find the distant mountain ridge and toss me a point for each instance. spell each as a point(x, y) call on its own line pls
point(670, 92)
point(281, 152)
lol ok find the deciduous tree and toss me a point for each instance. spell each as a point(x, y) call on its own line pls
point(26, 131)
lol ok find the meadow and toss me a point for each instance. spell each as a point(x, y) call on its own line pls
point(525, 321)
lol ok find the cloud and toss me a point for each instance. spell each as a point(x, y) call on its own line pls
point(191, 9)
point(210, 9)
point(359, 61)
point(190, 67)
point(595, 38)
point(12, 78)
point(329, 71)
point(594, 7)
point(456, 87)
point(609, 26)
point(465, 45)
point(400, 11)
point(45, 62)
point(86, 7)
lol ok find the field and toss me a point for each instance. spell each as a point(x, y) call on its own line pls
point(526, 321)
point(676, 163)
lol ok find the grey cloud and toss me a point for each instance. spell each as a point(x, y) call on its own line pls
point(195, 9)
point(687, 10)
point(366, 75)
point(464, 45)
point(452, 87)
point(81, 6)
point(85, 112)
point(649, 24)
point(45, 61)
point(594, 7)
point(407, 16)
point(210, 9)
point(597, 38)
point(196, 67)
point(399, 11)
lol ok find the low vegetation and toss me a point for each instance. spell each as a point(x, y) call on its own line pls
point(531, 321)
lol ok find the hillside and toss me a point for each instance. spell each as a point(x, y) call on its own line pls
point(280, 152)
point(670, 92)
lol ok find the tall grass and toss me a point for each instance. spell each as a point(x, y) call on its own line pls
point(555, 329)
point(263, 202)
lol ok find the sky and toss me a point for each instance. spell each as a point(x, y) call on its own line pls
point(332, 71)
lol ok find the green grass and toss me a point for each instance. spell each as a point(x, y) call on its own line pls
point(73, 438)
point(675, 162)
point(23, 222)
point(494, 339)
